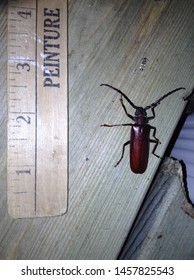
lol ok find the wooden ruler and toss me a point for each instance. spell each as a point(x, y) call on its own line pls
point(37, 108)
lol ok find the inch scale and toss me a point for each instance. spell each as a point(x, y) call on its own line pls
point(37, 108)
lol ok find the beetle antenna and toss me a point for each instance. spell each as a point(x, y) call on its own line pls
point(157, 102)
point(130, 102)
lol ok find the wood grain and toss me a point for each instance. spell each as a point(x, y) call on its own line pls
point(106, 41)
point(162, 230)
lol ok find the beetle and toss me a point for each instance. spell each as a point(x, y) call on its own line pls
point(140, 132)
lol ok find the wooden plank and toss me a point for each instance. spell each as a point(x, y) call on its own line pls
point(107, 41)
point(37, 108)
point(162, 230)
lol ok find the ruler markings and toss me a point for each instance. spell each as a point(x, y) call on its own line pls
point(16, 73)
point(20, 166)
point(19, 33)
point(21, 59)
point(20, 193)
point(36, 100)
point(26, 113)
point(13, 20)
point(17, 7)
point(35, 139)
point(18, 86)
point(15, 46)
point(18, 139)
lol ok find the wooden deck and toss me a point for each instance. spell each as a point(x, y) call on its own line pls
point(107, 41)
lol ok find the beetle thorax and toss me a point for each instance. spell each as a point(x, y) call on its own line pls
point(140, 116)
point(140, 119)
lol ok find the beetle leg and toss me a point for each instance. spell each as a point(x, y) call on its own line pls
point(154, 134)
point(153, 116)
point(110, 125)
point(156, 141)
point(124, 145)
point(155, 146)
point(121, 100)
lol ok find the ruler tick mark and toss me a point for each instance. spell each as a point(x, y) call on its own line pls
point(16, 86)
point(18, 33)
point(15, 46)
point(21, 59)
point(13, 19)
point(18, 139)
point(21, 7)
point(15, 73)
point(26, 113)
point(20, 192)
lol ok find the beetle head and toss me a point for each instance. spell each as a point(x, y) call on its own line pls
point(140, 111)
